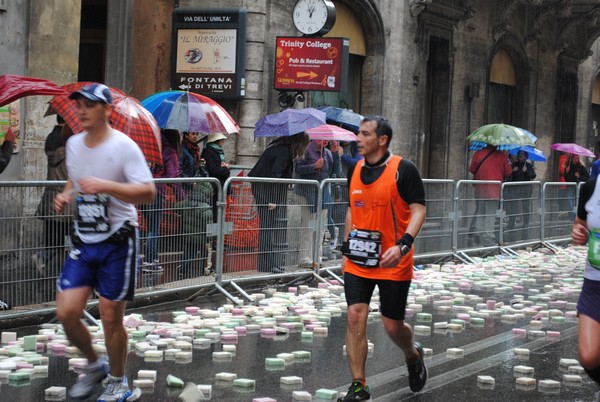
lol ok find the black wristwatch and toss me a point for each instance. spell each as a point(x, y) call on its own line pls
point(404, 249)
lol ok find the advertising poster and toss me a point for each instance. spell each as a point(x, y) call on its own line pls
point(10, 117)
point(311, 64)
point(206, 51)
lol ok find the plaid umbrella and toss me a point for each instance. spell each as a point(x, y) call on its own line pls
point(190, 112)
point(13, 87)
point(128, 116)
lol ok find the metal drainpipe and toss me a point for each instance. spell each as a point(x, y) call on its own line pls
point(469, 112)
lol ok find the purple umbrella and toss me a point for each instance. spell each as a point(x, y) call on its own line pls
point(572, 149)
point(289, 122)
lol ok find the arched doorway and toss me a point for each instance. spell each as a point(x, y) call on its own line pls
point(502, 89)
point(347, 25)
point(361, 21)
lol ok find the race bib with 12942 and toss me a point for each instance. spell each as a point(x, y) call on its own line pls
point(363, 247)
point(594, 248)
point(92, 213)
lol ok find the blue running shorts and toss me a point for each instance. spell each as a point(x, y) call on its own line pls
point(109, 266)
point(589, 299)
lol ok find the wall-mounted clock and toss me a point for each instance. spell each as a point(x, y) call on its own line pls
point(314, 17)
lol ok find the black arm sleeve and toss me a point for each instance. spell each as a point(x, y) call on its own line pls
point(410, 184)
point(350, 173)
point(584, 195)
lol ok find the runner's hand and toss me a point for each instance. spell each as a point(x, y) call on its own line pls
point(93, 185)
point(391, 257)
point(579, 233)
point(61, 200)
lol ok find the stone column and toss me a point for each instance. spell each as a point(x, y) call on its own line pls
point(53, 55)
point(151, 55)
point(252, 106)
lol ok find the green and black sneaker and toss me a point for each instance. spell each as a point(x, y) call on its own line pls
point(417, 372)
point(356, 392)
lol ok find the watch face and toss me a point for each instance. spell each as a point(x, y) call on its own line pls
point(310, 16)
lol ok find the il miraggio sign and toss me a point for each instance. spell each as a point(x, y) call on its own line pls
point(311, 64)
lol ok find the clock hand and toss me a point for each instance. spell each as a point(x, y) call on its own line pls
point(311, 10)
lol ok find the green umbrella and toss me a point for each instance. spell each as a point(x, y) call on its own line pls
point(501, 135)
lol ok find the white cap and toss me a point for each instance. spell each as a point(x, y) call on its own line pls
point(216, 137)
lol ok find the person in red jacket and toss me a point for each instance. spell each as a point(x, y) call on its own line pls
point(488, 163)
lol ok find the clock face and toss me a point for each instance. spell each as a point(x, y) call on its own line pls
point(312, 17)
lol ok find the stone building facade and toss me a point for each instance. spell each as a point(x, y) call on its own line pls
point(437, 69)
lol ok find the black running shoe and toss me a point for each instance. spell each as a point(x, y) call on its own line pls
point(356, 392)
point(417, 372)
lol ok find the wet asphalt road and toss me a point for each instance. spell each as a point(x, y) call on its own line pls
point(488, 350)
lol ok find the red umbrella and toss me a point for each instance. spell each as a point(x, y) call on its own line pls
point(128, 116)
point(13, 87)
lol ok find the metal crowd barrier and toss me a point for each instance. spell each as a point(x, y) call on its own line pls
point(263, 229)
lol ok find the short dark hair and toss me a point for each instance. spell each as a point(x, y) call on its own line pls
point(383, 126)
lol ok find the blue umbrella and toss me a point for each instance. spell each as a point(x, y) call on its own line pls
point(189, 111)
point(528, 133)
point(477, 145)
point(289, 122)
point(534, 154)
point(342, 117)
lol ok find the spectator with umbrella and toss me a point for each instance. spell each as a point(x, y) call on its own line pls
point(571, 170)
point(317, 164)
point(575, 172)
point(491, 164)
point(519, 197)
point(56, 227)
point(277, 161)
point(216, 166)
point(171, 149)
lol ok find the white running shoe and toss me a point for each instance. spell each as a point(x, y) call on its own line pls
point(117, 390)
point(94, 374)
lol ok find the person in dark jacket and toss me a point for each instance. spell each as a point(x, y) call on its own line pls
point(195, 213)
point(277, 161)
point(575, 172)
point(56, 228)
point(190, 160)
point(215, 165)
point(171, 149)
point(6, 150)
point(519, 197)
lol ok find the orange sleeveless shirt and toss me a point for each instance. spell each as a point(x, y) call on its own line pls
point(378, 206)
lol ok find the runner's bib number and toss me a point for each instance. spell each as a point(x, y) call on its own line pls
point(594, 248)
point(93, 213)
point(363, 247)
